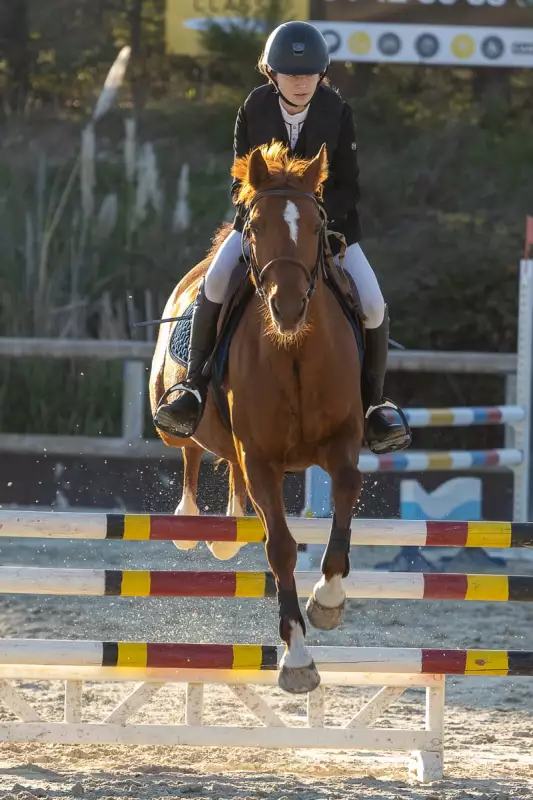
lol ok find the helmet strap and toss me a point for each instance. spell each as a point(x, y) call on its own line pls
point(278, 90)
point(294, 105)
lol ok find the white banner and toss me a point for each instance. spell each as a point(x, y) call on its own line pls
point(427, 44)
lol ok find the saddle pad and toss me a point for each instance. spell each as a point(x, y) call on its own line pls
point(178, 347)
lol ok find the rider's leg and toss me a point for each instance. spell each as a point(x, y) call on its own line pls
point(385, 431)
point(218, 276)
point(182, 415)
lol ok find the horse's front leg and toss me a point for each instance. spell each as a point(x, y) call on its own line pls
point(264, 481)
point(325, 607)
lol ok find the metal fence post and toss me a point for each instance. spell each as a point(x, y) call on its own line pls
point(523, 489)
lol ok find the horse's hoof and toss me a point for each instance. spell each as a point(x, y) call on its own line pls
point(185, 545)
point(224, 550)
point(298, 680)
point(323, 618)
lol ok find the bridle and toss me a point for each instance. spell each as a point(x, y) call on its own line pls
point(260, 273)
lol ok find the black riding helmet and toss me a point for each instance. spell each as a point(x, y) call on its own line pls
point(296, 48)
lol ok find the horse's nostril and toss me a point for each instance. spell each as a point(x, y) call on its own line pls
point(275, 307)
point(304, 306)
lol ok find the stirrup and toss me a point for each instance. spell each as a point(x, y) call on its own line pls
point(188, 429)
point(401, 441)
point(183, 387)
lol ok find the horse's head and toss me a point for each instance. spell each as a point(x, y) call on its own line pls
point(284, 227)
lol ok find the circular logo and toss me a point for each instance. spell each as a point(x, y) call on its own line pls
point(463, 46)
point(427, 45)
point(492, 47)
point(389, 44)
point(333, 40)
point(360, 43)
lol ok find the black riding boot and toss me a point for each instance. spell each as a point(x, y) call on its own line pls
point(182, 416)
point(386, 428)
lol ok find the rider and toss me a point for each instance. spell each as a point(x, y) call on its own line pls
point(298, 106)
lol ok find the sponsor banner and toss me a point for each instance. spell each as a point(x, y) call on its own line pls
point(425, 44)
point(466, 13)
point(452, 32)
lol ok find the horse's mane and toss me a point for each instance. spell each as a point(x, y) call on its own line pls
point(284, 168)
point(285, 171)
point(221, 233)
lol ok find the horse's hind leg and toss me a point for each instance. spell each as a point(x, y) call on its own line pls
point(192, 455)
point(236, 508)
point(325, 607)
point(298, 673)
point(237, 492)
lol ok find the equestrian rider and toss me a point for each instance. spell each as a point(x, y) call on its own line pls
point(299, 107)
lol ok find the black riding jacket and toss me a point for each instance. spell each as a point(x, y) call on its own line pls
point(328, 120)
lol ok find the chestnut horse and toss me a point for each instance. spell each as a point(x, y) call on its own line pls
point(293, 386)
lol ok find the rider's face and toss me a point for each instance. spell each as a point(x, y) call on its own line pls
point(298, 89)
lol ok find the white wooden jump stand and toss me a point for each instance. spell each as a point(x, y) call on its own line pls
point(241, 667)
point(425, 746)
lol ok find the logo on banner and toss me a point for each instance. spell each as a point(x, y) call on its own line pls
point(463, 46)
point(427, 45)
point(360, 43)
point(333, 40)
point(389, 44)
point(492, 47)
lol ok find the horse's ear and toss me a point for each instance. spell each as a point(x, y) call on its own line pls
point(316, 171)
point(257, 169)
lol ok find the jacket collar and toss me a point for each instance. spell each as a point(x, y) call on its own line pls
point(314, 130)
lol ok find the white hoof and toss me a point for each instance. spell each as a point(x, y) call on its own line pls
point(322, 618)
point(224, 550)
point(298, 680)
point(186, 508)
point(297, 671)
point(325, 607)
point(329, 594)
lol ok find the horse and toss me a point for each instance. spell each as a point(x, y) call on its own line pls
point(292, 385)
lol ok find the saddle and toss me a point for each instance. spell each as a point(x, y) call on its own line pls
point(240, 292)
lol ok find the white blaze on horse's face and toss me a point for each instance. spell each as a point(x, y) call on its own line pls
point(291, 215)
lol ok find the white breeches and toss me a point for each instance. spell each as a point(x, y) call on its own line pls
point(355, 263)
point(218, 275)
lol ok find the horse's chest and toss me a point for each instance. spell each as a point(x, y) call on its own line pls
point(291, 405)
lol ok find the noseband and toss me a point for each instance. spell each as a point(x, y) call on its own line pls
point(260, 273)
